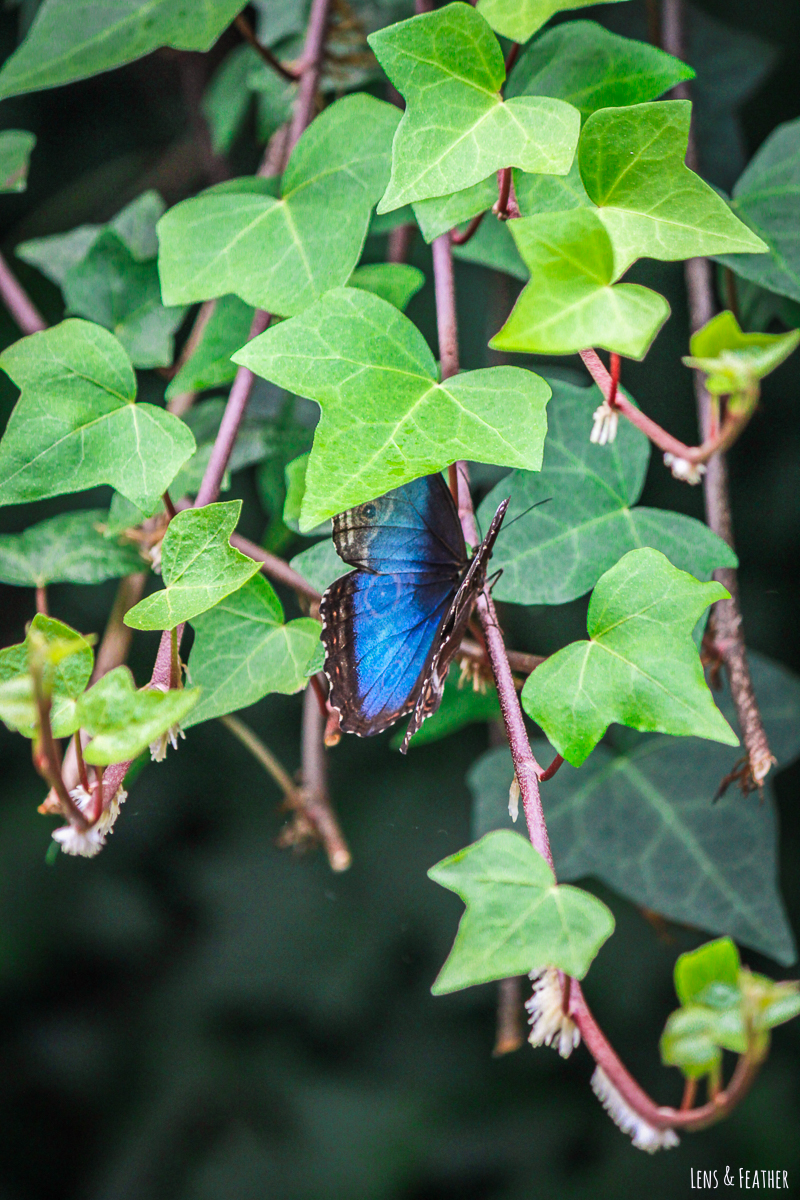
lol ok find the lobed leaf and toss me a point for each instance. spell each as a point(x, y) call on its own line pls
point(639, 668)
point(695, 971)
point(493, 247)
point(519, 19)
point(441, 213)
point(65, 679)
point(560, 549)
point(385, 419)
point(457, 129)
point(123, 721)
point(243, 651)
point(210, 365)
point(16, 147)
point(76, 425)
point(397, 283)
point(279, 254)
point(518, 919)
point(227, 98)
point(198, 565)
point(732, 360)
point(69, 548)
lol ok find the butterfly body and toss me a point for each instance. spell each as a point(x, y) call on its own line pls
point(392, 627)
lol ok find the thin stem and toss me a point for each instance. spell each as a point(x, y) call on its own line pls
point(313, 54)
point(510, 1024)
point(446, 322)
point(316, 803)
point(461, 239)
point(689, 1093)
point(500, 208)
point(261, 753)
point(174, 661)
point(276, 568)
point(169, 506)
point(520, 662)
point(18, 302)
point(41, 600)
point(243, 25)
point(319, 692)
point(513, 55)
point(47, 758)
point(400, 240)
point(557, 762)
point(78, 750)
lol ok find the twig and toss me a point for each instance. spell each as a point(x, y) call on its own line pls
point(41, 600)
point(47, 758)
point(18, 302)
point(262, 753)
point(446, 322)
point(316, 804)
point(727, 616)
point(400, 239)
point(520, 662)
point(510, 1026)
point(461, 239)
point(313, 54)
point(554, 767)
point(500, 207)
point(276, 568)
point(243, 25)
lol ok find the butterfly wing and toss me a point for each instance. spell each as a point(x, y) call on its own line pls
point(378, 632)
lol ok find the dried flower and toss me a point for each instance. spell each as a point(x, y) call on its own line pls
point(86, 842)
point(643, 1135)
point(606, 420)
point(550, 1025)
point(109, 815)
point(681, 468)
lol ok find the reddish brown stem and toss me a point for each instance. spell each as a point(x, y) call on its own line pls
point(552, 769)
point(400, 240)
point(446, 321)
point(78, 750)
point(510, 1025)
point(319, 692)
point(461, 239)
point(41, 600)
point(243, 25)
point(313, 54)
point(18, 302)
point(316, 800)
point(500, 208)
point(169, 506)
point(276, 568)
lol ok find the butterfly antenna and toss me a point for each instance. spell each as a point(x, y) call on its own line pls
point(519, 516)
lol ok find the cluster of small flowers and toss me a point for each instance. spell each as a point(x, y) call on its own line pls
point(681, 468)
point(643, 1135)
point(88, 842)
point(606, 420)
point(550, 1025)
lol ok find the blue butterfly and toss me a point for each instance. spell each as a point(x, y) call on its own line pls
point(392, 627)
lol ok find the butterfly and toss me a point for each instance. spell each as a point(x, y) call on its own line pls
point(392, 627)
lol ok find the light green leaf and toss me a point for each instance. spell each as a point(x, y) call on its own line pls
point(295, 476)
point(457, 129)
point(734, 361)
point(690, 1041)
point(274, 98)
point(16, 146)
point(227, 97)
point(76, 424)
point(441, 213)
point(65, 679)
point(570, 303)
point(320, 565)
point(519, 19)
point(653, 206)
point(397, 283)
point(243, 650)
point(715, 962)
point(210, 365)
point(518, 919)
point(72, 39)
point(640, 668)
point(643, 822)
point(279, 255)
point(493, 247)
point(123, 721)
point(110, 286)
point(767, 198)
point(550, 193)
point(590, 68)
point(198, 565)
point(69, 548)
point(560, 549)
point(385, 419)
point(461, 706)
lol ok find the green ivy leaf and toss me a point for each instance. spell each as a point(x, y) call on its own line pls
point(716, 962)
point(123, 721)
point(640, 668)
point(766, 197)
point(275, 98)
point(570, 303)
point(295, 477)
point(76, 424)
point(16, 147)
point(590, 68)
point(120, 292)
point(385, 419)
point(734, 361)
point(457, 129)
point(641, 820)
point(493, 247)
point(461, 706)
point(279, 255)
point(210, 365)
point(691, 1041)
point(519, 19)
point(653, 206)
point(397, 283)
point(550, 193)
point(69, 548)
point(518, 918)
point(65, 679)
point(72, 39)
point(320, 565)
point(243, 651)
point(560, 549)
point(441, 213)
point(227, 98)
point(198, 565)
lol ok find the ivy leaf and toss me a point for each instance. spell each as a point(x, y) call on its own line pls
point(16, 146)
point(76, 424)
point(295, 477)
point(72, 39)
point(461, 706)
point(518, 919)
point(279, 255)
point(468, 131)
point(243, 650)
point(640, 668)
point(227, 98)
point(69, 548)
point(123, 721)
point(716, 962)
point(198, 565)
point(550, 193)
point(734, 361)
point(437, 215)
point(320, 565)
point(519, 19)
point(210, 365)
point(766, 197)
point(493, 247)
point(65, 679)
point(560, 549)
point(397, 283)
point(570, 303)
point(653, 206)
point(385, 419)
point(113, 288)
point(590, 68)
point(641, 820)
point(275, 98)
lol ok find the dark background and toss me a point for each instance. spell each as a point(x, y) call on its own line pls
point(196, 1014)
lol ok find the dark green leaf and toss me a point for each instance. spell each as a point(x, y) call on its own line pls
point(320, 565)
point(210, 365)
point(437, 215)
point(227, 97)
point(69, 548)
point(493, 247)
point(16, 146)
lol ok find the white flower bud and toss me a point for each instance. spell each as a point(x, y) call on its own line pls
point(606, 420)
point(681, 468)
point(550, 1025)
